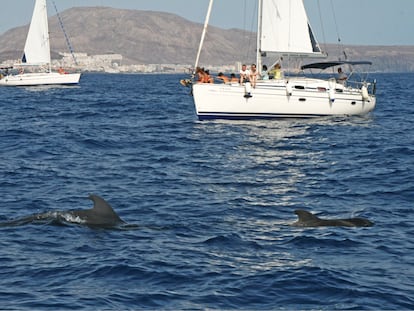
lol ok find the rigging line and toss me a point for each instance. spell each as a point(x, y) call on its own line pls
point(246, 55)
point(340, 45)
point(64, 33)
point(289, 36)
point(336, 24)
point(248, 32)
point(322, 26)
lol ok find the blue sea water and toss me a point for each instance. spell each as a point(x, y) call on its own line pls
point(213, 202)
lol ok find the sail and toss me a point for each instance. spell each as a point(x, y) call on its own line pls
point(285, 29)
point(37, 47)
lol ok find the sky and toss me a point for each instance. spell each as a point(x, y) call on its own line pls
point(360, 22)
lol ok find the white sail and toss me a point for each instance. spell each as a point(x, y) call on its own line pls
point(285, 29)
point(37, 52)
point(37, 47)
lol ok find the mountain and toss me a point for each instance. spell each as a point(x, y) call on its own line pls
point(147, 37)
point(384, 58)
point(141, 37)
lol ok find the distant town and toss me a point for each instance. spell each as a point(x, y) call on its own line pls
point(112, 63)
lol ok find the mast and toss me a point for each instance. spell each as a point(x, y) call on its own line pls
point(259, 36)
point(210, 6)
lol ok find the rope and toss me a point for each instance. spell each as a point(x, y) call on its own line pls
point(64, 33)
point(322, 26)
point(340, 45)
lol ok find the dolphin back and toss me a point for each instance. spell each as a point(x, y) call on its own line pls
point(101, 215)
point(307, 219)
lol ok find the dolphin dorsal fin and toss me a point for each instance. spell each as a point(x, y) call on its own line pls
point(101, 205)
point(305, 216)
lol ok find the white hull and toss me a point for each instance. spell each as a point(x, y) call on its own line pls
point(47, 78)
point(299, 97)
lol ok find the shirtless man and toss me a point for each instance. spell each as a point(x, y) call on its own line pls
point(253, 75)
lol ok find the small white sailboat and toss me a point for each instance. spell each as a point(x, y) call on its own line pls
point(37, 54)
point(285, 33)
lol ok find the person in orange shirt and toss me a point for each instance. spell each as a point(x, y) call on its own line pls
point(203, 76)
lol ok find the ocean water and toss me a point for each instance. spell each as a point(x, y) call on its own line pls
point(212, 202)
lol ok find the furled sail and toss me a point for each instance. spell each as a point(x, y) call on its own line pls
point(285, 29)
point(37, 47)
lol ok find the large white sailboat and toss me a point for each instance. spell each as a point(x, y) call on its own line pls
point(284, 32)
point(37, 54)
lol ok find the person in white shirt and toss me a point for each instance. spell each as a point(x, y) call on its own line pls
point(244, 74)
point(341, 78)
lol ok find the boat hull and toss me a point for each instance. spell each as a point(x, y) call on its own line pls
point(295, 97)
point(47, 78)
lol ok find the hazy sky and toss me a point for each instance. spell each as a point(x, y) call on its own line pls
point(371, 22)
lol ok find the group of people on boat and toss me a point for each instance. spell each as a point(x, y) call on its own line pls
point(251, 75)
point(203, 76)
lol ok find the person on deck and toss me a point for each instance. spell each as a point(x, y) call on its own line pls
point(223, 78)
point(203, 76)
point(264, 74)
point(208, 78)
point(253, 75)
point(244, 74)
point(200, 75)
point(341, 78)
point(276, 72)
point(233, 78)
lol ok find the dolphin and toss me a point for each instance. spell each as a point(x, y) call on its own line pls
point(307, 219)
point(101, 215)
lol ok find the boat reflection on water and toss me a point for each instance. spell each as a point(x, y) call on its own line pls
point(275, 153)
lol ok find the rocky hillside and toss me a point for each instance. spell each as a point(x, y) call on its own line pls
point(142, 37)
point(146, 37)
